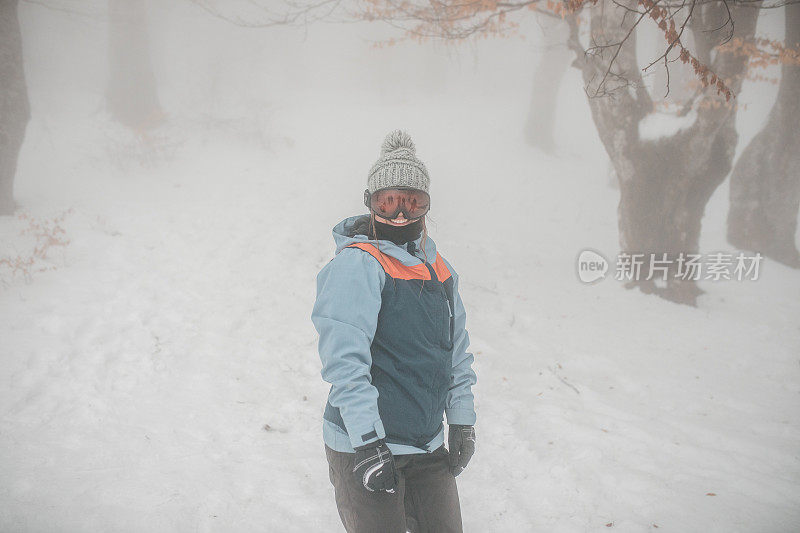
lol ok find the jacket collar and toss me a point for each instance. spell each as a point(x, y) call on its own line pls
point(344, 235)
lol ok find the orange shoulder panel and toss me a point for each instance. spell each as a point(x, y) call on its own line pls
point(392, 265)
point(442, 272)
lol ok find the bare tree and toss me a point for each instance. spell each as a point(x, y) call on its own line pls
point(553, 64)
point(131, 95)
point(664, 183)
point(765, 183)
point(268, 13)
point(14, 105)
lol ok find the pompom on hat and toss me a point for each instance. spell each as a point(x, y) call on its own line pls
point(398, 165)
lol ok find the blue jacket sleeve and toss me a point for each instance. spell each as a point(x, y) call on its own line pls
point(345, 315)
point(460, 407)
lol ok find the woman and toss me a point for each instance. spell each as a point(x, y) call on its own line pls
point(393, 343)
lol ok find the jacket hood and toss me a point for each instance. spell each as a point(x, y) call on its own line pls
point(344, 235)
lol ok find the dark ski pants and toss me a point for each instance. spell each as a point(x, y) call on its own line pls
point(425, 501)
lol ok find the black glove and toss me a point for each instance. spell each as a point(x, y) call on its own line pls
point(461, 444)
point(374, 467)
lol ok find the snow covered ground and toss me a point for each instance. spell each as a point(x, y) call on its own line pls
point(165, 378)
point(164, 375)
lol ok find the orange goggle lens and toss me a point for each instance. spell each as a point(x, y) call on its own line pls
point(388, 203)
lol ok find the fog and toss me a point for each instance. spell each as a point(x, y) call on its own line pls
point(161, 371)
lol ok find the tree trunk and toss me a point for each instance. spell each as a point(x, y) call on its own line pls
point(132, 97)
point(553, 64)
point(665, 183)
point(14, 105)
point(765, 184)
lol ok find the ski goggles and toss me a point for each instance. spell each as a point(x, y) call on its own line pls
point(388, 203)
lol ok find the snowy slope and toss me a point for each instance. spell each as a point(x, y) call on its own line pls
point(140, 375)
point(164, 376)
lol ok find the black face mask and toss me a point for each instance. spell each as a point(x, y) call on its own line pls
point(397, 234)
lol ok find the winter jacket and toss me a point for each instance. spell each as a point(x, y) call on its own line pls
point(393, 344)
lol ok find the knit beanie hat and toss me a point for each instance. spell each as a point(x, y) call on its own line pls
point(398, 165)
